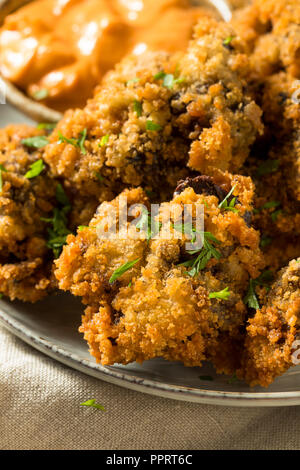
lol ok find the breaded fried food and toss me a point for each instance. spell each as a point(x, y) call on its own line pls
point(272, 341)
point(25, 259)
point(270, 30)
point(168, 302)
point(156, 115)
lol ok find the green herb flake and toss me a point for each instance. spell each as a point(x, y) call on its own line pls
point(233, 379)
point(204, 255)
point(223, 294)
point(92, 404)
point(1, 179)
point(37, 142)
point(78, 143)
point(1, 295)
point(231, 205)
point(122, 270)
point(48, 126)
point(41, 94)
point(206, 377)
point(57, 235)
point(159, 75)
point(228, 40)
point(267, 167)
point(152, 126)
point(138, 108)
point(276, 214)
point(61, 196)
point(133, 80)
point(35, 169)
point(104, 140)
point(263, 280)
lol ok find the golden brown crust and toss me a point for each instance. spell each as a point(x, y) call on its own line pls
point(156, 309)
point(272, 332)
point(205, 119)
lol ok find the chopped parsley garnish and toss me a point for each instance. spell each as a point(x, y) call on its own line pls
point(145, 224)
point(263, 280)
point(104, 140)
point(1, 295)
point(61, 196)
point(169, 79)
point(48, 126)
point(133, 80)
point(1, 180)
point(233, 379)
point(37, 142)
point(138, 107)
point(222, 294)
point(267, 167)
point(35, 169)
point(228, 40)
point(41, 94)
point(59, 231)
point(99, 177)
point(92, 404)
point(83, 227)
point(276, 214)
point(206, 377)
point(78, 143)
point(229, 207)
point(122, 270)
point(207, 252)
point(152, 126)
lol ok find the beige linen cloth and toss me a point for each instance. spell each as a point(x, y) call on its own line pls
point(39, 400)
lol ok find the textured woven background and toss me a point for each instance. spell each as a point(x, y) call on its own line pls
point(39, 402)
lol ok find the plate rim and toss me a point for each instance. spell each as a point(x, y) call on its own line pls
point(150, 387)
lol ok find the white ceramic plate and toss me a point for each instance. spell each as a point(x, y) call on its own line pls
point(51, 327)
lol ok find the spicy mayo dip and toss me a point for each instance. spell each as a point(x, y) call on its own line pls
point(56, 51)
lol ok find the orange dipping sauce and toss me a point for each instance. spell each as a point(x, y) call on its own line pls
point(56, 51)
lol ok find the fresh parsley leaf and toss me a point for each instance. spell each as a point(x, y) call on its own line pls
point(35, 169)
point(122, 270)
point(152, 126)
point(159, 75)
point(228, 40)
point(1, 180)
point(146, 224)
point(275, 215)
point(61, 196)
point(233, 379)
point(41, 94)
point(57, 235)
point(48, 126)
point(207, 252)
point(229, 207)
point(37, 142)
point(263, 280)
point(92, 404)
point(222, 294)
point(168, 79)
point(138, 107)
point(104, 140)
point(251, 299)
point(267, 167)
point(206, 377)
point(133, 80)
point(78, 143)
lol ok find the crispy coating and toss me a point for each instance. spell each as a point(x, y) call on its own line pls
point(273, 333)
point(154, 126)
point(156, 309)
point(25, 262)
